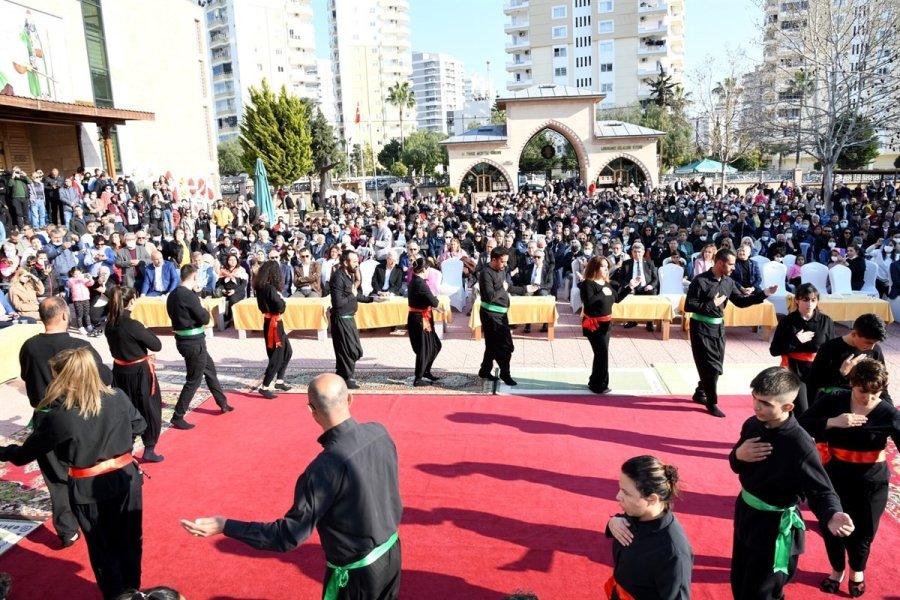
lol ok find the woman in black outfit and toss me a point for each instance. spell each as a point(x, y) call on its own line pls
point(232, 283)
point(268, 285)
point(91, 428)
point(130, 344)
point(652, 558)
point(598, 298)
point(799, 336)
point(420, 323)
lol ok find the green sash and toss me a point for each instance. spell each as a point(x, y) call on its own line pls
point(832, 390)
point(708, 320)
point(345, 316)
point(340, 577)
point(790, 519)
point(494, 308)
point(187, 332)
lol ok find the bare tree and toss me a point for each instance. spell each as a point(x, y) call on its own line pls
point(835, 68)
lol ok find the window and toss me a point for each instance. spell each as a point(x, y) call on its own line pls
point(98, 63)
point(606, 68)
point(606, 88)
point(559, 32)
point(559, 52)
point(558, 12)
point(606, 26)
point(605, 47)
point(560, 72)
point(605, 6)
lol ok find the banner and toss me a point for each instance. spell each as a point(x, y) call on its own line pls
point(33, 59)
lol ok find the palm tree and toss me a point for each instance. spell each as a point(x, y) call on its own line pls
point(801, 85)
point(401, 96)
point(662, 89)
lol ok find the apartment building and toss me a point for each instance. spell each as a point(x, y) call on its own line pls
point(439, 85)
point(250, 40)
point(370, 52)
point(615, 47)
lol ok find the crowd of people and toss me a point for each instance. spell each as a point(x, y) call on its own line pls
point(105, 243)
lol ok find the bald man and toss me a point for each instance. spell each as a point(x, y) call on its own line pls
point(161, 277)
point(349, 493)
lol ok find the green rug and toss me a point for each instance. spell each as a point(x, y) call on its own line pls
point(681, 379)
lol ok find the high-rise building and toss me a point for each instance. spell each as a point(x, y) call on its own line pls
point(478, 88)
point(439, 86)
point(615, 47)
point(326, 89)
point(252, 40)
point(370, 52)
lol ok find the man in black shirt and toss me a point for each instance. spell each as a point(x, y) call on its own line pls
point(34, 358)
point(706, 298)
point(350, 493)
point(346, 293)
point(189, 319)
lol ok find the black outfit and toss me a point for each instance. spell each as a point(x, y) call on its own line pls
point(498, 343)
point(236, 285)
point(131, 342)
point(344, 334)
point(857, 268)
point(395, 280)
point(278, 346)
point(424, 339)
point(861, 486)
point(657, 564)
point(598, 300)
point(186, 312)
point(109, 506)
point(792, 472)
point(708, 340)
point(34, 358)
point(826, 369)
point(350, 494)
point(785, 342)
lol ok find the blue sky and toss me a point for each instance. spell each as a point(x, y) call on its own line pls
point(472, 31)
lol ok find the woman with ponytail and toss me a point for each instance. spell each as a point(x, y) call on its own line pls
point(130, 344)
point(651, 555)
point(424, 339)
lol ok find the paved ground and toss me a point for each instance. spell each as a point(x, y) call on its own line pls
point(629, 349)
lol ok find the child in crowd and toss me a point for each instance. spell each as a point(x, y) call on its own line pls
point(79, 285)
point(793, 276)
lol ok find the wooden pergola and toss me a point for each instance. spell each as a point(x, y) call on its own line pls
point(48, 112)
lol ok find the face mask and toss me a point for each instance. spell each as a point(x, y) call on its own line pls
point(604, 241)
point(888, 249)
point(834, 257)
point(788, 236)
point(131, 244)
point(671, 210)
point(703, 238)
point(765, 238)
point(157, 240)
point(897, 240)
point(844, 224)
point(686, 212)
point(779, 259)
point(831, 244)
point(804, 226)
point(767, 225)
point(41, 262)
point(659, 224)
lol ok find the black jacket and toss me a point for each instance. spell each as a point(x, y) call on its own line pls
point(395, 281)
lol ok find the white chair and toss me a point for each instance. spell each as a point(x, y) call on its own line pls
point(575, 297)
point(760, 261)
point(868, 287)
point(775, 273)
point(789, 261)
point(452, 284)
point(670, 283)
point(804, 249)
point(895, 308)
point(366, 270)
point(816, 274)
point(839, 276)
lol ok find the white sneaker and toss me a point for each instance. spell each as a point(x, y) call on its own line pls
point(82, 331)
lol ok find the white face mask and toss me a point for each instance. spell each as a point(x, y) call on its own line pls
point(131, 244)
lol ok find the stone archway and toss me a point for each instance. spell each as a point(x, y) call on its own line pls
point(484, 161)
point(569, 134)
point(628, 157)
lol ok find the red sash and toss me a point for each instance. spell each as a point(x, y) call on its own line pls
point(801, 356)
point(826, 453)
point(427, 317)
point(614, 591)
point(593, 323)
point(104, 466)
point(150, 359)
point(272, 339)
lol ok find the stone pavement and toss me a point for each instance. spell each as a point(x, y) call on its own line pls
point(632, 349)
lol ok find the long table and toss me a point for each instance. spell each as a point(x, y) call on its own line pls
point(759, 315)
point(12, 339)
point(306, 314)
point(151, 311)
point(522, 310)
point(646, 308)
point(847, 307)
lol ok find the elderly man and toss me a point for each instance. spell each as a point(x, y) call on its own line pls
point(349, 493)
point(383, 239)
point(637, 268)
point(536, 279)
point(206, 274)
point(387, 278)
point(161, 277)
point(132, 260)
point(307, 276)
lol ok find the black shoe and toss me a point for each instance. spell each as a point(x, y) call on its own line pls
point(227, 408)
point(508, 380)
point(630, 324)
point(267, 393)
point(282, 386)
point(699, 397)
point(713, 409)
point(487, 376)
point(597, 390)
point(544, 328)
point(352, 385)
point(151, 456)
point(68, 542)
point(180, 423)
point(527, 329)
point(431, 377)
point(650, 326)
point(420, 383)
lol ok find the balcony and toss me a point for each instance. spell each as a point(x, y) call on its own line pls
point(516, 24)
point(654, 28)
point(518, 84)
point(655, 49)
point(648, 70)
point(649, 6)
point(300, 9)
point(222, 53)
point(218, 40)
point(644, 91)
point(515, 5)
point(520, 43)
point(521, 63)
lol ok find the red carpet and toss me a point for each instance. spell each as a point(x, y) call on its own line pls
point(500, 493)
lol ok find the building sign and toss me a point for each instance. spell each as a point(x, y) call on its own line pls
point(33, 59)
point(482, 153)
point(622, 148)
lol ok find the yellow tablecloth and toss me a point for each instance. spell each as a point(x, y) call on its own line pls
point(847, 307)
point(300, 314)
point(758, 315)
point(151, 310)
point(643, 308)
point(523, 309)
point(394, 312)
point(12, 339)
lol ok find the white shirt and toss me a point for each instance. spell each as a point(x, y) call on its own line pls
point(638, 271)
point(536, 274)
point(158, 282)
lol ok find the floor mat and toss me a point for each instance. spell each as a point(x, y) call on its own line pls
point(632, 382)
point(681, 379)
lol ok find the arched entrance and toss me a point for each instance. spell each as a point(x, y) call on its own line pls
point(548, 155)
point(621, 171)
point(485, 178)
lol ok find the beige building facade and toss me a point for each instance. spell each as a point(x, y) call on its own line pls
point(486, 159)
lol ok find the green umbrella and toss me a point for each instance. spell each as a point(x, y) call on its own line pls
point(263, 196)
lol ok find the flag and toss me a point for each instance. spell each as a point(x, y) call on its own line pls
point(357, 119)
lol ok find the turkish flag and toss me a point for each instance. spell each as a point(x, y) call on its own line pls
point(356, 120)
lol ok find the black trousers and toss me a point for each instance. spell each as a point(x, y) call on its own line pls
point(498, 343)
point(864, 501)
point(113, 530)
point(279, 357)
point(198, 365)
point(378, 581)
point(599, 340)
point(137, 381)
point(21, 208)
point(752, 577)
point(708, 349)
point(56, 477)
point(347, 346)
point(426, 344)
